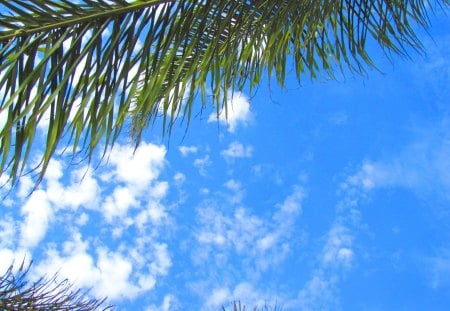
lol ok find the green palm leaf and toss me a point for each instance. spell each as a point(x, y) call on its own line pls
point(93, 67)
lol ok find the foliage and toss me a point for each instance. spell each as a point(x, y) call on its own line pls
point(237, 306)
point(91, 68)
point(45, 294)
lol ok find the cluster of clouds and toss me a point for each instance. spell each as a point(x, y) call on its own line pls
point(233, 238)
point(105, 229)
point(232, 226)
point(87, 210)
point(421, 167)
point(113, 222)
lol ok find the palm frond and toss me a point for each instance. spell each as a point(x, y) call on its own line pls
point(92, 67)
point(237, 306)
point(16, 293)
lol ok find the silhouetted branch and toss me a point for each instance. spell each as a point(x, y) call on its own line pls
point(17, 293)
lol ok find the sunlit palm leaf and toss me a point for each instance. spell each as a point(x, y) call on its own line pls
point(89, 68)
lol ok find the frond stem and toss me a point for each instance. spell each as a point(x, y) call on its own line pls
point(79, 20)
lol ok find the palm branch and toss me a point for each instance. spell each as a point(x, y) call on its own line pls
point(17, 293)
point(95, 67)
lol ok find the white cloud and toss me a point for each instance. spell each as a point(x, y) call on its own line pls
point(159, 190)
point(422, 166)
point(118, 203)
point(291, 205)
point(244, 293)
point(71, 198)
point(202, 163)
point(3, 118)
point(267, 241)
point(38, 213)
point(318, 294)
point(284, 218)
point(238, 231)
point(438, 269)
point(7, 232)
point(234, 228)
point(338, 248)
point(114, 274)
point(236, 188)
point(373, 175)
point(237, 150)
point(186, 150)
point(9, 237)
point(436, 67)
point(336, 257)
point(8, 257)
point(134, 176)
point(25, 186)
point(137, 168)
point(54, 171)
point(169, 303)
point(16, 258)
point(154, 212)
point(162, 262)
point(81, 191)
point(82, 220)
point(237, 112)
point(137, 192)
point(204, 191)
point(109, 276)
point(115, 271)
point(217, 298)
point(179, 178)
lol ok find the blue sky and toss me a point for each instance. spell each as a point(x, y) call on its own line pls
point(331, 195)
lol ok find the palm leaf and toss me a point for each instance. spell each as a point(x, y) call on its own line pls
point(94, 67)
point(16, 293)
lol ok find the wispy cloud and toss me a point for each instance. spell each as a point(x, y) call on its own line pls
point(438, 268)
point(7, 231)
point(179, 178)
point(337, 255)
point(423, 166)
point(249, 296)
point(237, 112)
point(186, 150)
point(338, 248)
point(202, 163)
point(232, 237)
point(244, 232)
point(237, 150)
point(169, 303)
point(321, 290)
point(319, 293)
